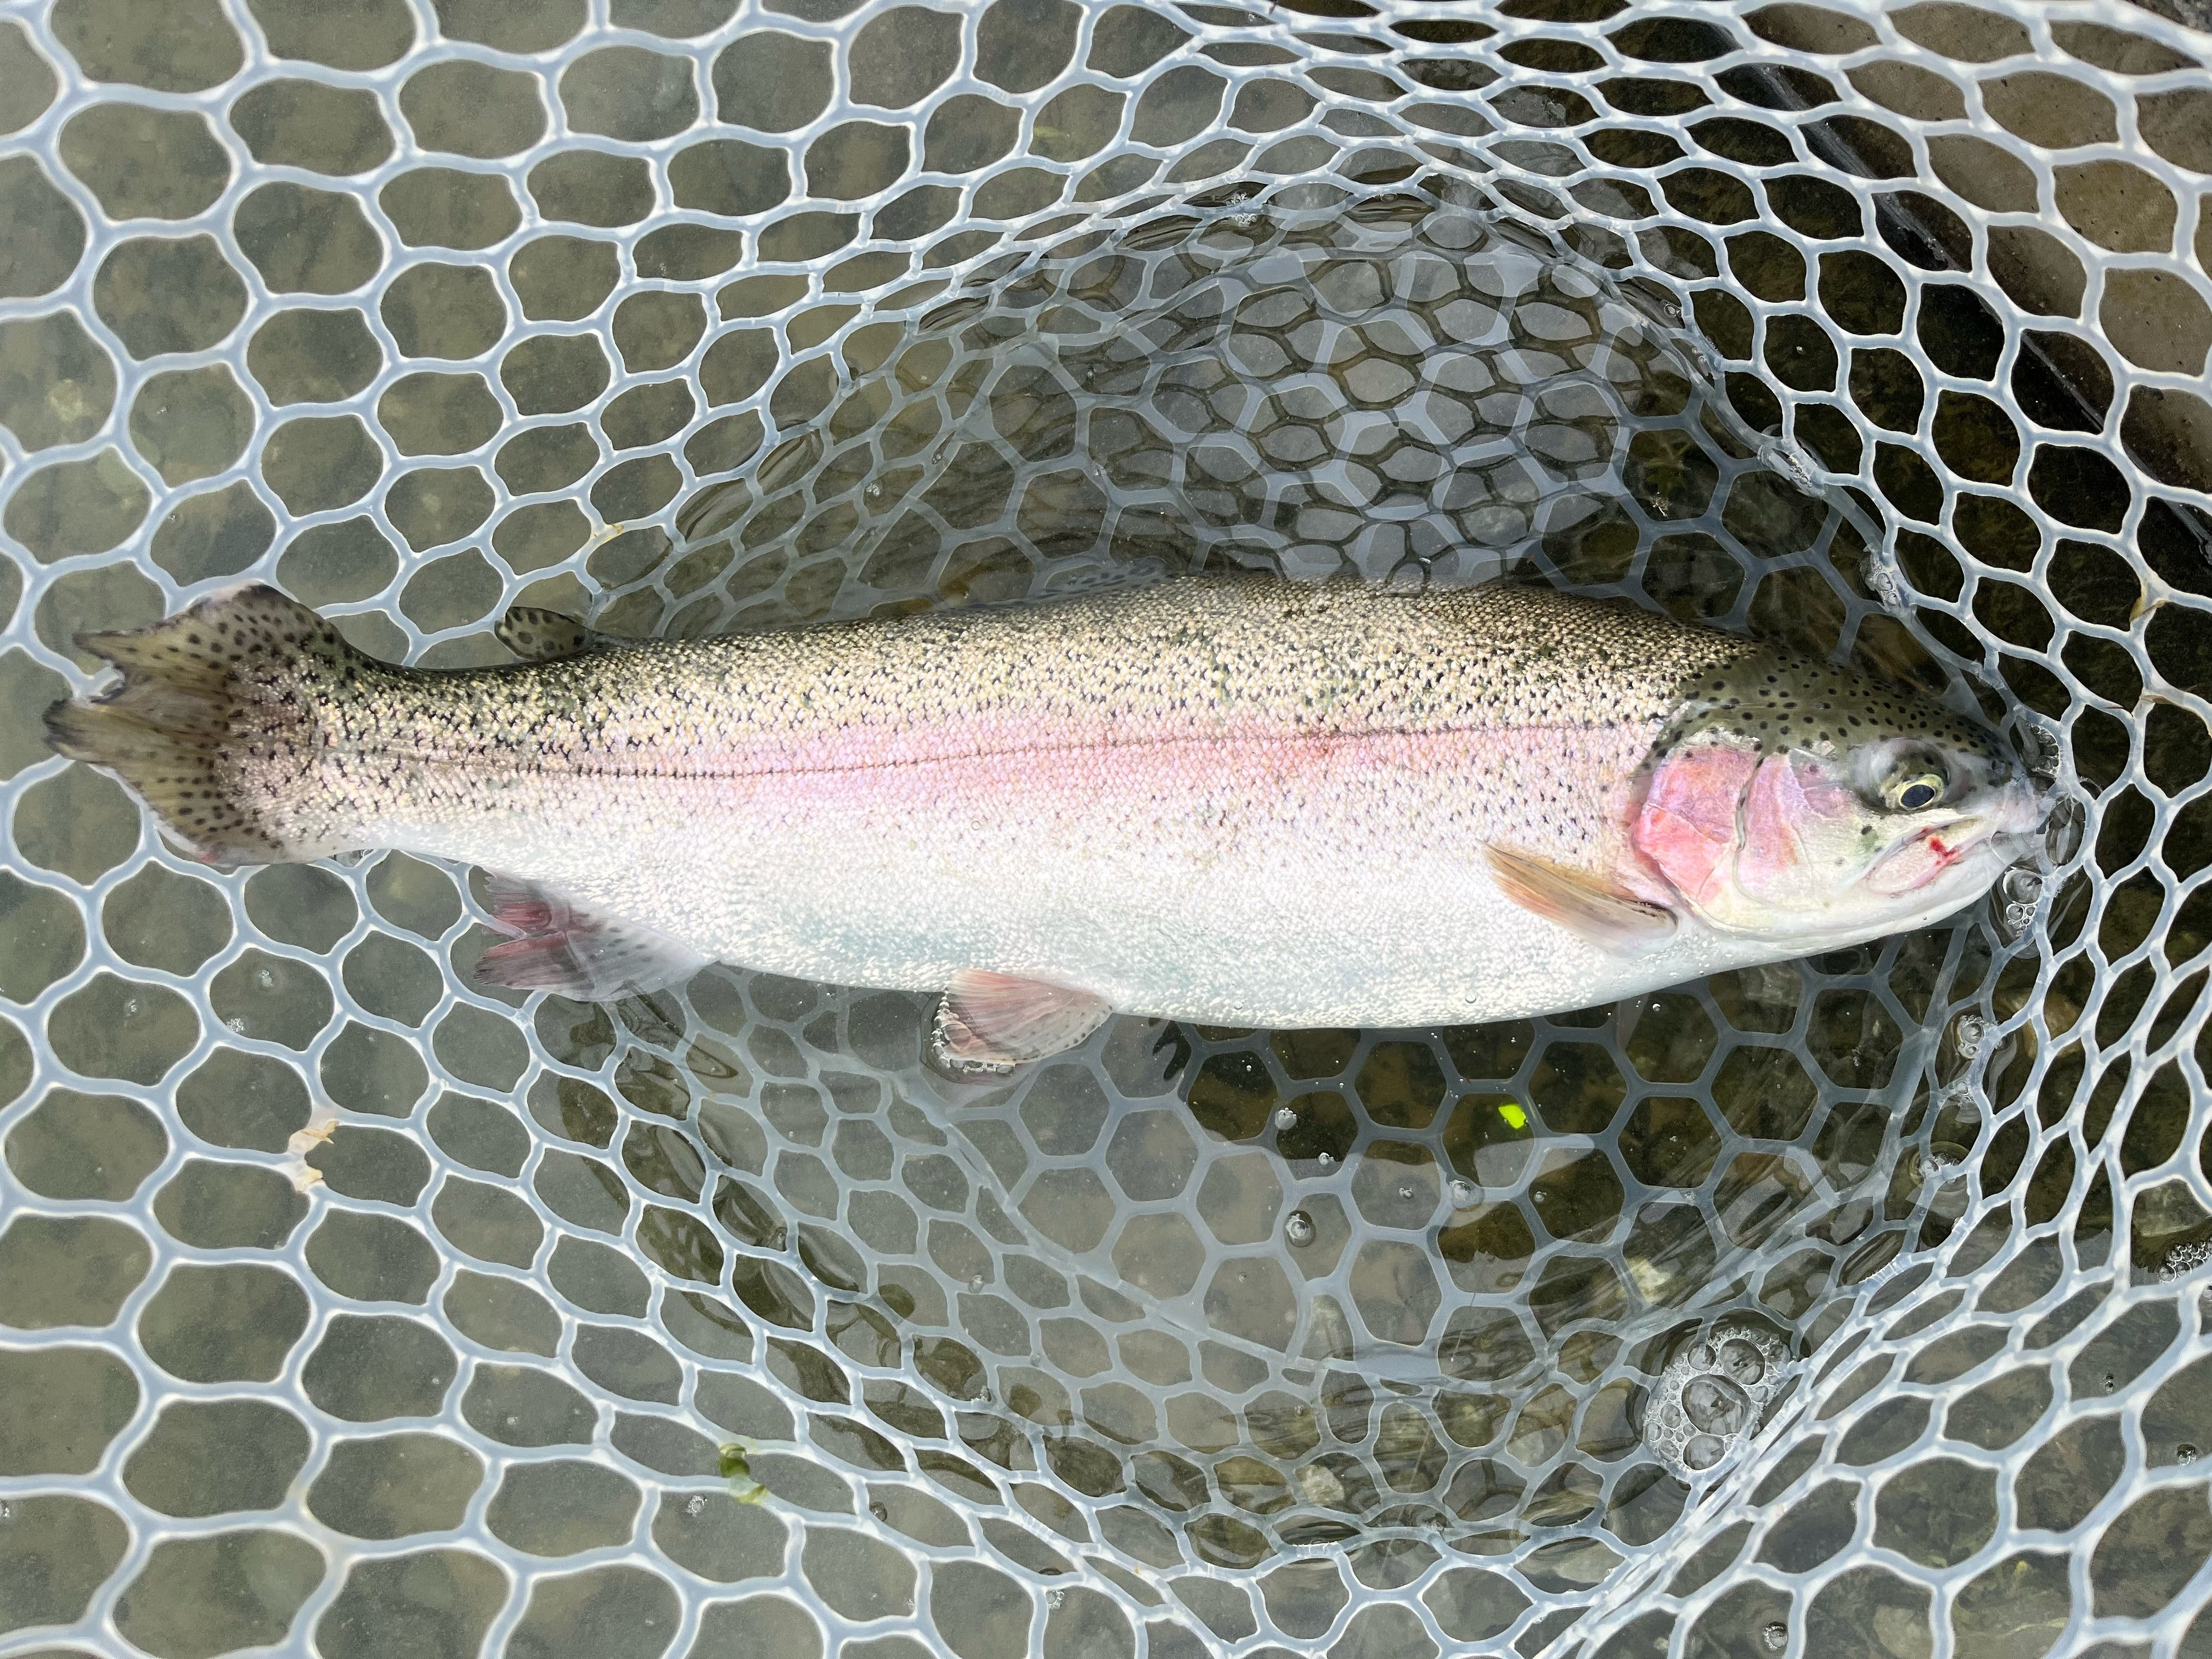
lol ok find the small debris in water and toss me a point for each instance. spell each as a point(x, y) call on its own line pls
point(1323, 1486)
point(737, 1471)
point(1787, 459)
point(1298, 1227)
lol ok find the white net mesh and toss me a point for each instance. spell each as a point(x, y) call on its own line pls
point(1853, 1306)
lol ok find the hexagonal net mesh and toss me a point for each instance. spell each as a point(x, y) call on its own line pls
point(1854, 1305)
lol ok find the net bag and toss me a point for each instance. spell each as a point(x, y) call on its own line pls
point(1853, 1306)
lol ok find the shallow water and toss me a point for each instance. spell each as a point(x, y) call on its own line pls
point(341, 1292)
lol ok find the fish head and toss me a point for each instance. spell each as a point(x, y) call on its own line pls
point(1800, 801)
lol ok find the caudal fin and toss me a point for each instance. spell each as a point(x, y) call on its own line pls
point(215, 724)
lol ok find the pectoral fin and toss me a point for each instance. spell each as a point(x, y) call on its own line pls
point(553, 946)
point(536, 635)
point(1585, 906)
point(990, 1022)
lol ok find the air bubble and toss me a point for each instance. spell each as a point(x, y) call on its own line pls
point(1742, 1363)
point(2049, 750)
point(695, 1506)
point(1962, 1104)
point(2184, 1453)
point(1710, 1395)
point(2184, 1259)
point(1940, 1161)
point(1966, 1036)
point(1462, 1195)
point(1714, 1405)
point(1327, 1160)
point(1775, 1637)
point(1704, 1450)
point(1298, 1227)
point(1286, 1117)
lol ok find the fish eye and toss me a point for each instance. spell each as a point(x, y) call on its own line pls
point(1915, 786)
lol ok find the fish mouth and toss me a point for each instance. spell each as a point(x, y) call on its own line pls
point(1988, 839)
point(1922, 859)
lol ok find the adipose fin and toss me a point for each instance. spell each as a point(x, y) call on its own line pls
point(537, 635)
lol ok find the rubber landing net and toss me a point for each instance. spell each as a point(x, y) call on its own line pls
point(1854, 1306)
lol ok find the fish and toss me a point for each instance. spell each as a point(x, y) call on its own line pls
point(1229, 798)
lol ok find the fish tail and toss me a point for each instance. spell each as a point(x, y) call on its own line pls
point(219, 724)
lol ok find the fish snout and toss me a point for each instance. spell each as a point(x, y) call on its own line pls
point(1924, 856)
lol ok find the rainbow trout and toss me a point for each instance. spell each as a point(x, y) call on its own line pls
point(1231, 800)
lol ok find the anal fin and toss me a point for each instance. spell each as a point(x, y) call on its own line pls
point(1585, 906)
point(554, 946)
point(991, 1022)
point(537, 635)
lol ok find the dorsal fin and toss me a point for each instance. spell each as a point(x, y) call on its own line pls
point(537, 635)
